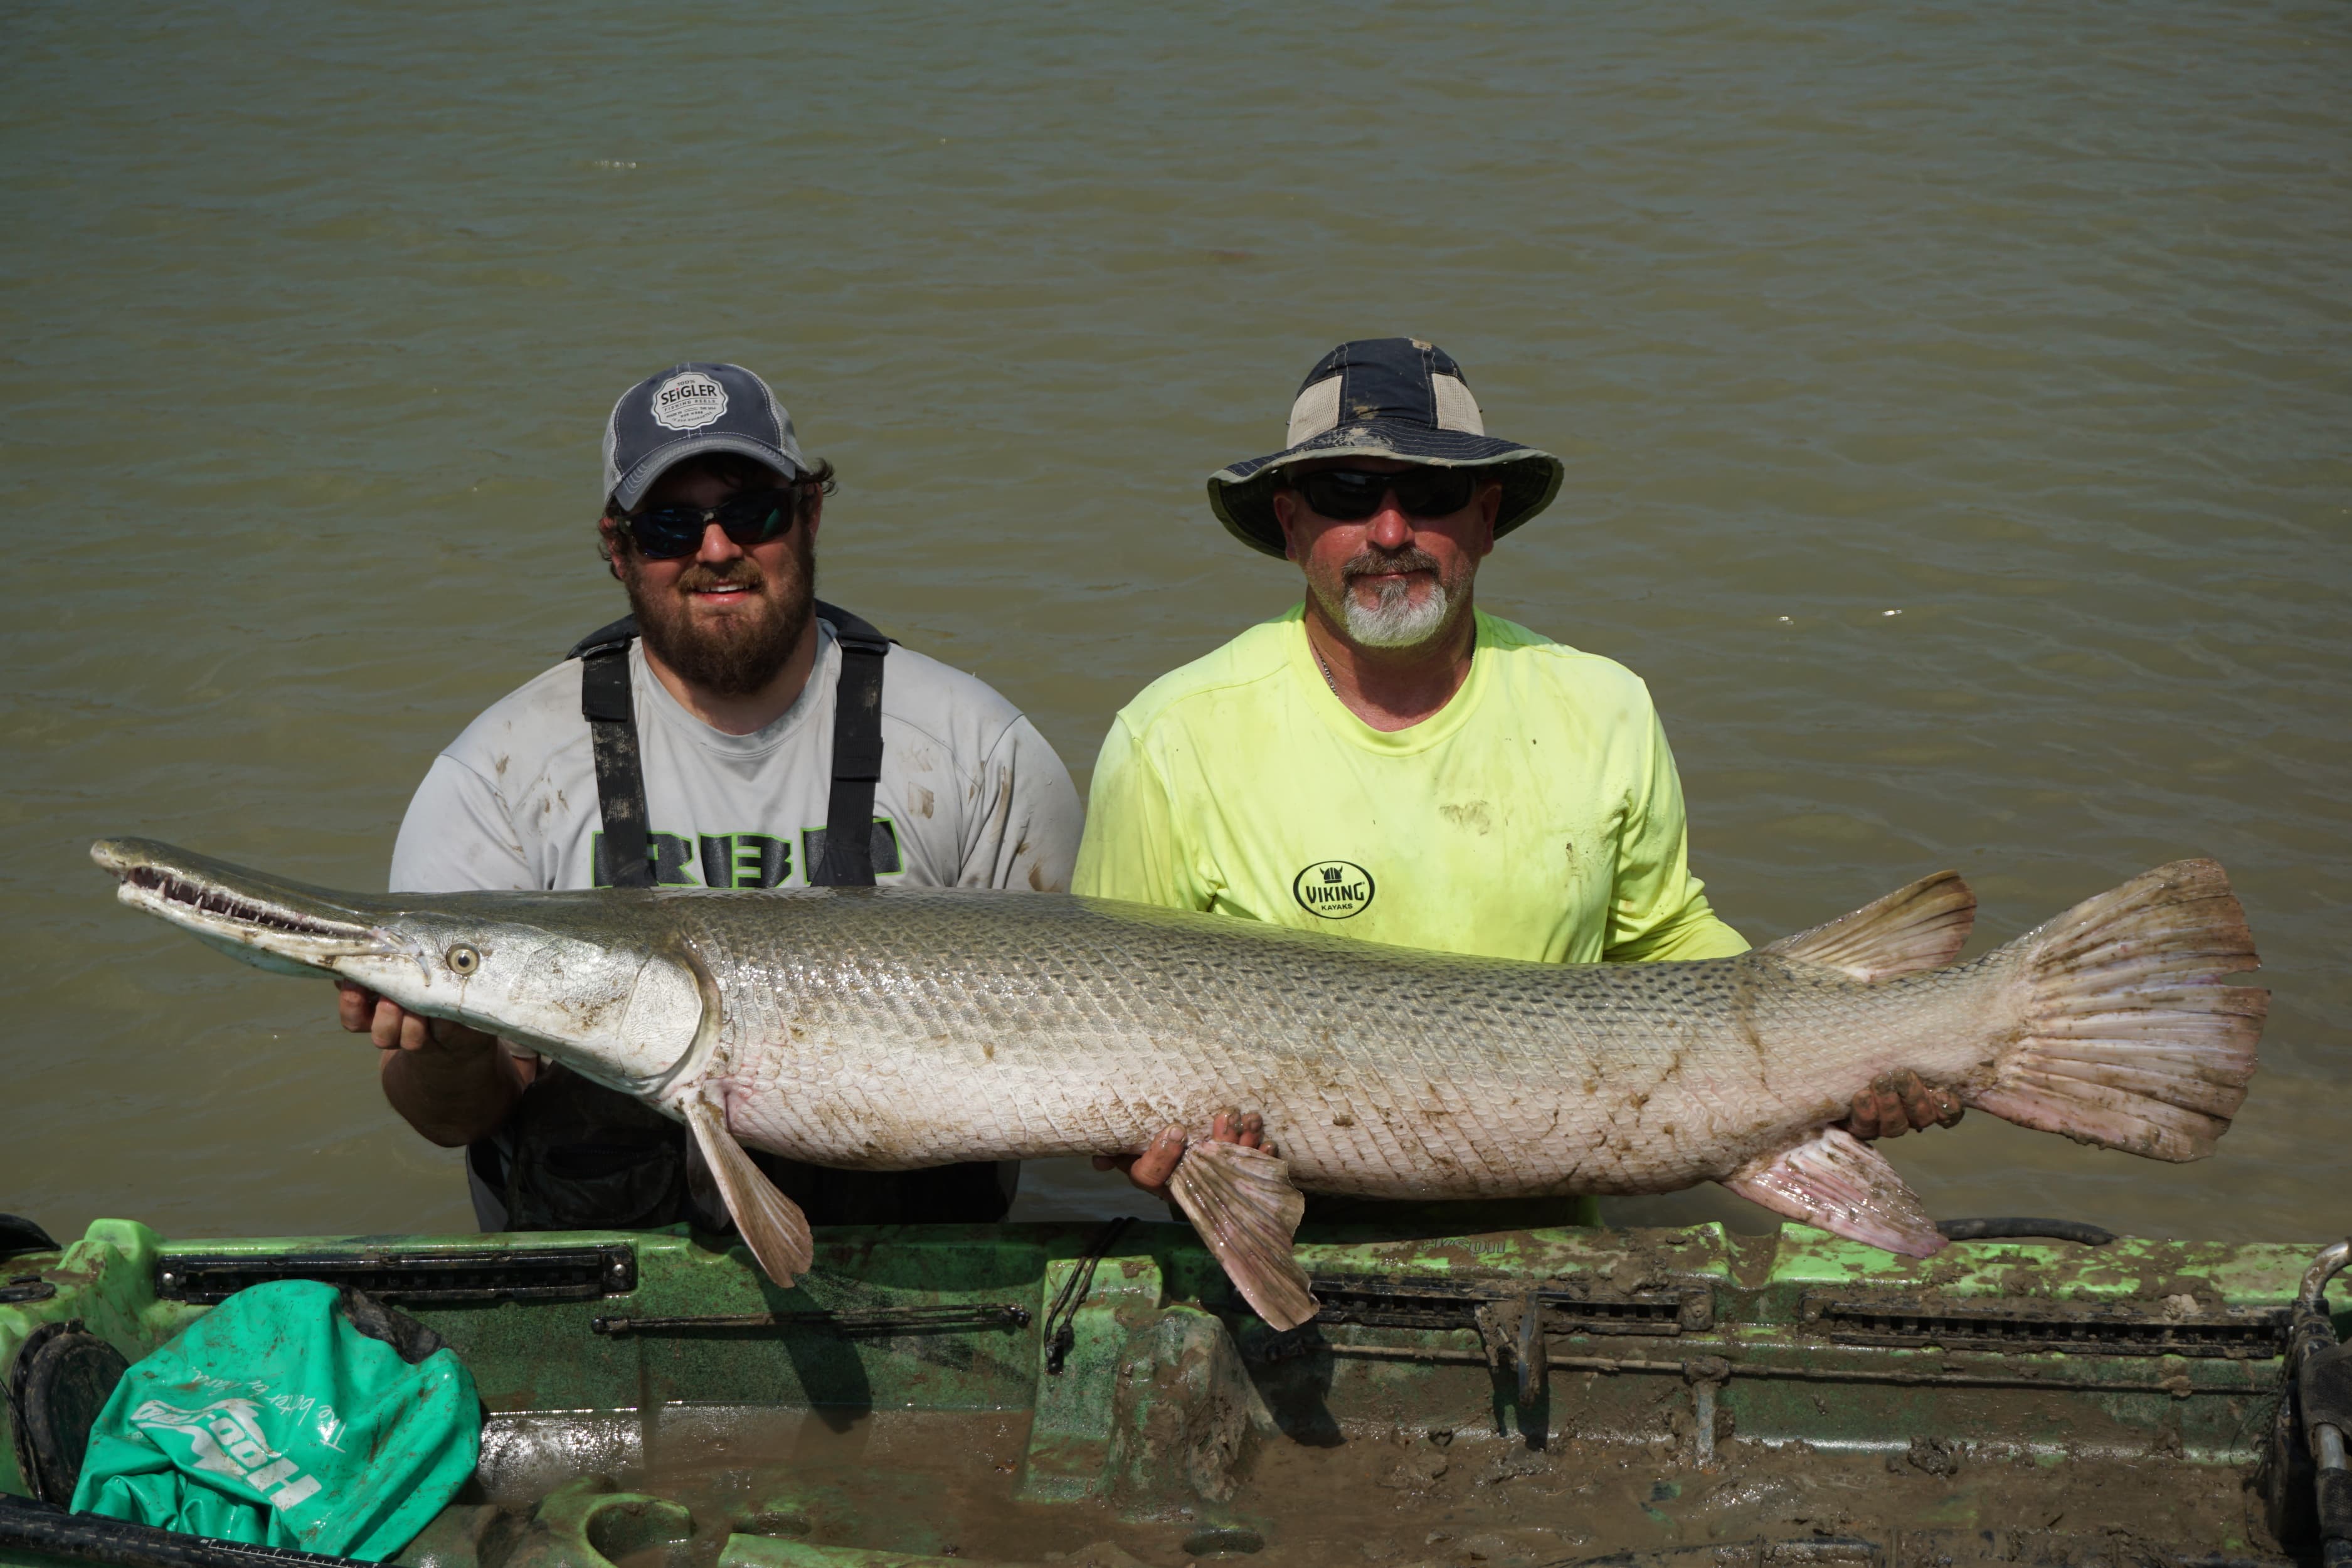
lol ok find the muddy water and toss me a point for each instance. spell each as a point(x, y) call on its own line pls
point(1954, 400)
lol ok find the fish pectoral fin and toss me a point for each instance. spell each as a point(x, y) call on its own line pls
point(1842, 1185)
point(1923, 926)
point(773, 1225)
point(1241, 1201)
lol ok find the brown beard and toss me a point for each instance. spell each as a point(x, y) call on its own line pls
point(743, 653)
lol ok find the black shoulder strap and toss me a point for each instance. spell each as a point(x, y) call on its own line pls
point(857, 754)
point(603, 655)
point(618, 634)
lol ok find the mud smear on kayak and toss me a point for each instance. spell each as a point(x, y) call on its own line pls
point(945, 1485)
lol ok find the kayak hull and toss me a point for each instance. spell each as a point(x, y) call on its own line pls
point(985, 1386)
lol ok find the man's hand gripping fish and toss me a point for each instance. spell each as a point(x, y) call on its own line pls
point(889, 1029)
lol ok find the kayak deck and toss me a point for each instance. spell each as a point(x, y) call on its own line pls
point(973, 1394)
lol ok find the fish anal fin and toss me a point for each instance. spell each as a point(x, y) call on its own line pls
point(1923, 926)
point(773, 1225)
point(1836, 1183)
point(1241, 1201)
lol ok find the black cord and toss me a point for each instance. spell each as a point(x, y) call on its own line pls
point(50, 1531)
point(1060, 1327)
point(2013, 1229)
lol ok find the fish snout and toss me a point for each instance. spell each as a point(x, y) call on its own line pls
point(274, 924)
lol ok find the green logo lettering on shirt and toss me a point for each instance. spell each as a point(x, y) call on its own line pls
point(745, 861)
point(739, 859)
point(1333, 889)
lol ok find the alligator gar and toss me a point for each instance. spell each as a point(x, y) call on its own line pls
point(886, 1029)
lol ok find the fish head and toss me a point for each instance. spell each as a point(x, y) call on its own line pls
point(591, 978)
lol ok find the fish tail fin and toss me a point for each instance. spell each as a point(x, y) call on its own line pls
point(2127, 1037)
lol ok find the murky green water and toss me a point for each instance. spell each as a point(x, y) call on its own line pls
point(1955, 401)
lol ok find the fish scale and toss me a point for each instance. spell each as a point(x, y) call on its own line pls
point(1076, 996)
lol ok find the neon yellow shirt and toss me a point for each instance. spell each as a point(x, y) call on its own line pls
point(1537, 815)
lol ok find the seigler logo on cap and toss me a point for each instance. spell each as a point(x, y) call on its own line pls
point(689, 401)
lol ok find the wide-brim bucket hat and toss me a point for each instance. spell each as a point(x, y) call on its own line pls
point(1384, 398)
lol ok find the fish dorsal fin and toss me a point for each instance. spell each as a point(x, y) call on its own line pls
point(771, 1224)
point(1838, 1183)
point(1923, 926)
point(1242, 1203)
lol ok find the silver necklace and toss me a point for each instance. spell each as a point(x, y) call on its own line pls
point(1324, 668)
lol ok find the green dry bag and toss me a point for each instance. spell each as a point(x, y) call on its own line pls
point(292, 1415)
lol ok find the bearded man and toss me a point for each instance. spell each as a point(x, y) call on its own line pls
point(1388, 761)
point(724, 735)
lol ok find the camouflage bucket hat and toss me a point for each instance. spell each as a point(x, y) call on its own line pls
point(1384, 398)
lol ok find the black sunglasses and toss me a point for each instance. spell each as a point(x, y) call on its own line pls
point(1351, 495)
point(753, 517)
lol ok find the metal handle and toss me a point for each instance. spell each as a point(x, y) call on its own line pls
point(2323, 1267)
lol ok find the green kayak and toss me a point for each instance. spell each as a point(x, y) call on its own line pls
point(1096, 1394)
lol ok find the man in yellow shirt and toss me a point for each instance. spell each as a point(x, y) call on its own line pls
point(1386, 760)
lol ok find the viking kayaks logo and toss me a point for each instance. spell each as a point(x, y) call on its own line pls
point(689, 401)
point(225, 1438)
point(1334, 889)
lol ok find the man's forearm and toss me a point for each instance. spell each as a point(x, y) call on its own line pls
point(453, 1095)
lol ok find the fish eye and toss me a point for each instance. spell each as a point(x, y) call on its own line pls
point(462, 959)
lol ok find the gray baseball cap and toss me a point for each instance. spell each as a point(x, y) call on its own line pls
point(689, 409)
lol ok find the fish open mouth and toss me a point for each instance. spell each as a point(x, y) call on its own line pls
point(221, 902)
point(218, 900)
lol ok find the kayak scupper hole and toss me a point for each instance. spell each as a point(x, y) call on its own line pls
point(642, 1534)
point(1223, 1541)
